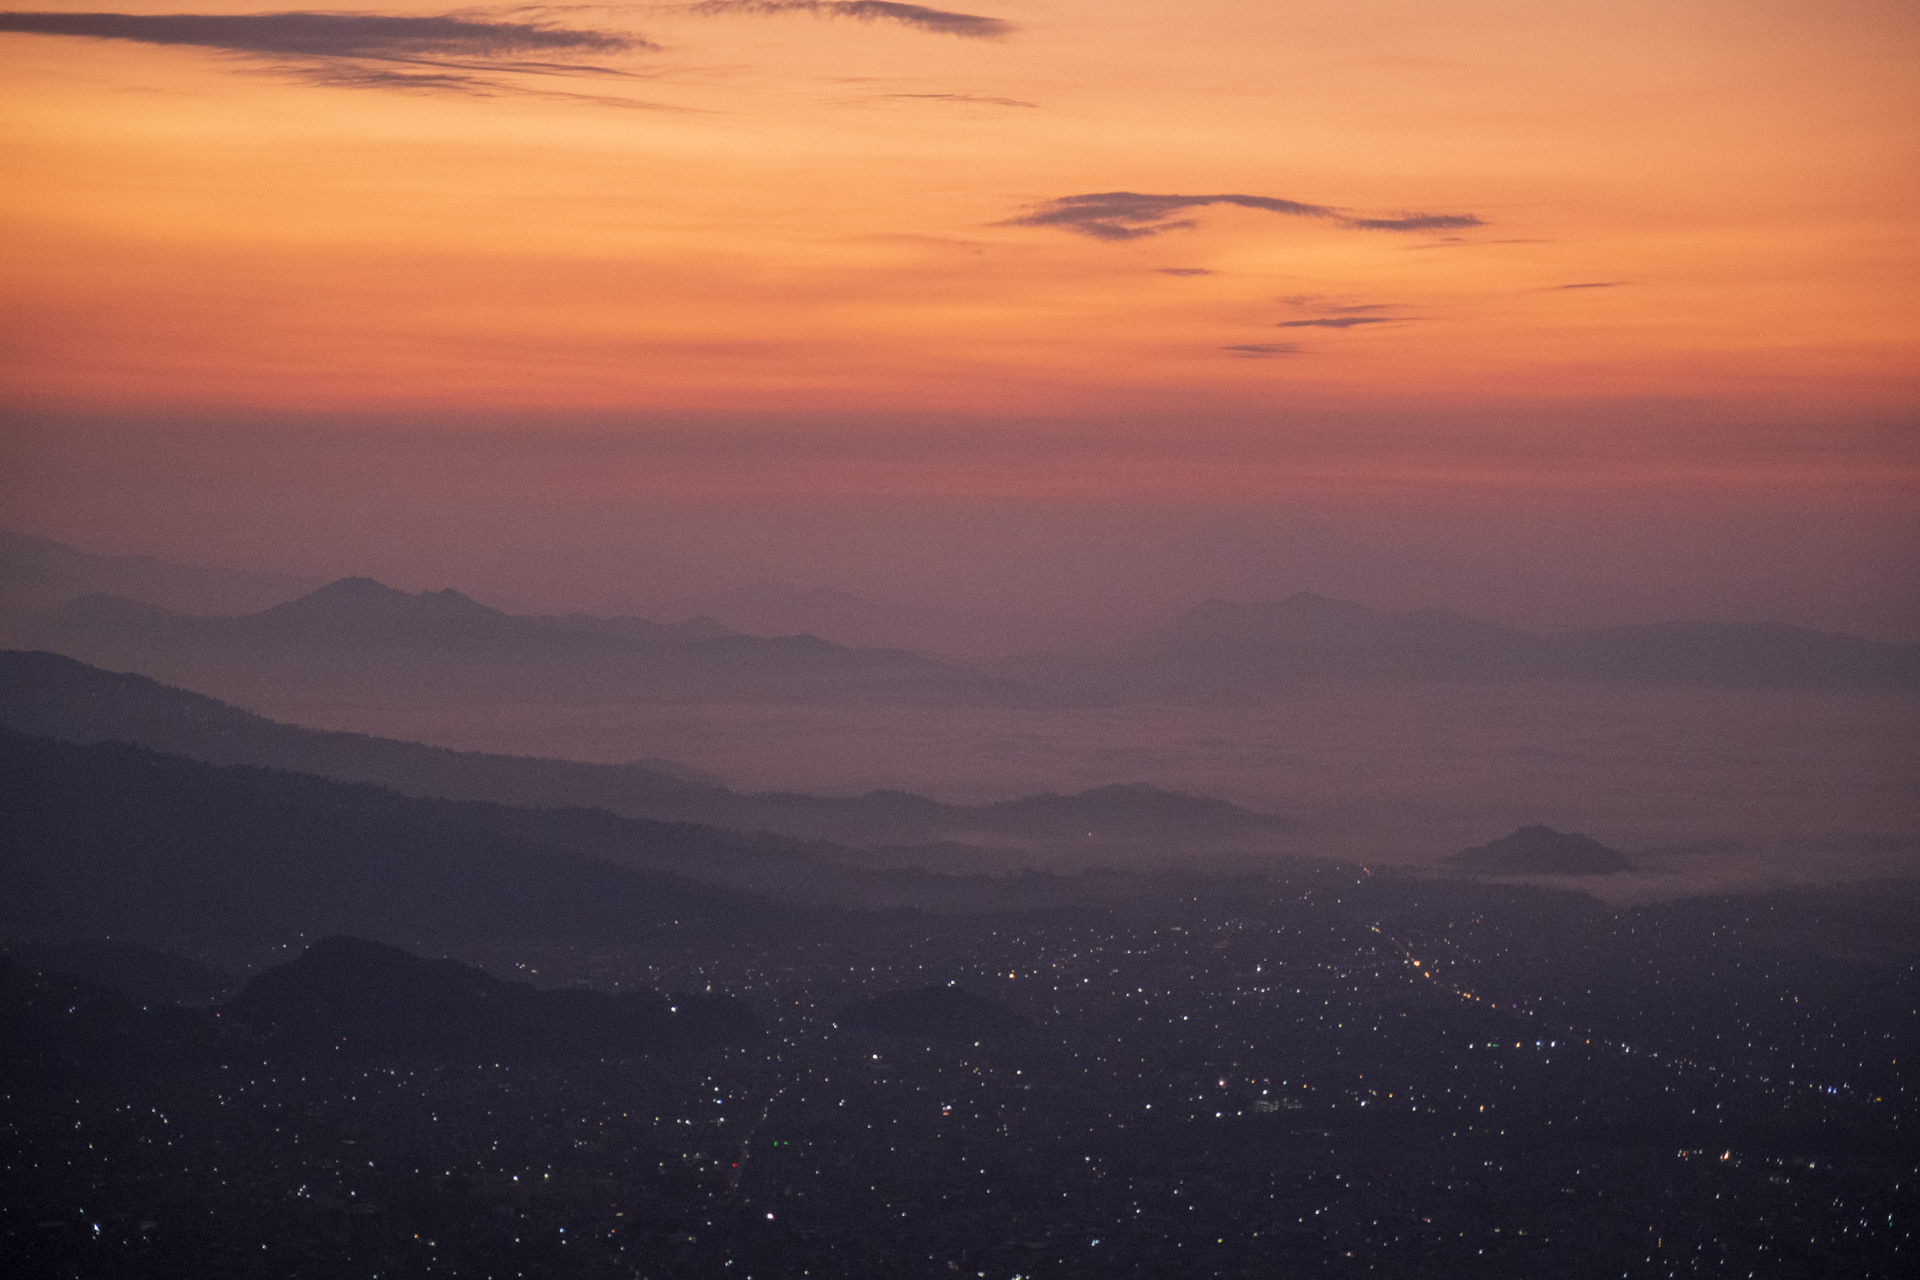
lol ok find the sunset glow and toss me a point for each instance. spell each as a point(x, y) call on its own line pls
point(1355, 261)
point(770, 207)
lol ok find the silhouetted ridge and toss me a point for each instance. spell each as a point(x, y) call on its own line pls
point(117, 840)
point(363, 997)
point(935, 1013)
point(1542, 851)
point(56, 696)
point(140, 973)
point(362, 635)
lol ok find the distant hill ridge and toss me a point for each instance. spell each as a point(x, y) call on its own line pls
point(38, 575)
point(1248, 644)
point(45, 693)
point(358, 634)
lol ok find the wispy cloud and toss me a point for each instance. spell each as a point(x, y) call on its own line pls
point(1333, 306)
point(1265, 350)
point(1183, 271)
point(965, 25)
point(1133, 215)
point(1335, 322)
point(1590, 284)
point(1415, 222)
point(980, 99)
point(364, 50)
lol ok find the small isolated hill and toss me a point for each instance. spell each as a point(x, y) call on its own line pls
point(936, 1013)
point(361, 997)
point(1537, 851)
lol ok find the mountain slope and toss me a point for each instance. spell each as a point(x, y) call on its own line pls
point(44, 693)
point(115, 840)
point(348, 994)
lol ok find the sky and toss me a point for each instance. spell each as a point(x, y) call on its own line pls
point(1564, 314)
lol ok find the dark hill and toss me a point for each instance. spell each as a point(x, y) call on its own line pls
point(365, 998)
point(141, 973)
point(1542, 851)
point(116, 840)
point(935, 1013)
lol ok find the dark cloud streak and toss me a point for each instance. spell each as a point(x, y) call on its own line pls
point(335, 48)
point(975, 98)
point(1133, 215)
point(1265, 350)
point(965, 25)
point(1340, 322)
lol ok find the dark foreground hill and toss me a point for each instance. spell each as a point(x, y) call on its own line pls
point(364, 998)
point(1542, 851)
point(935, 1013)
point(59, 697)
point(140, 973)
point(116, 840)
point(345, 999)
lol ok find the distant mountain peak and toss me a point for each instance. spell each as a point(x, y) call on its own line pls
point(363, 590)
point(1538, 850)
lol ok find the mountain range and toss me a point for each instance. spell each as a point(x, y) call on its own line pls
point(1227, 648)
point(58, 697)
point(359, 636)
point(38, 575)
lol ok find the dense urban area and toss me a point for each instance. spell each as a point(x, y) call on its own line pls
point(1327, 1072)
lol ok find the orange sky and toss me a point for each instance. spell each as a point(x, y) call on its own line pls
point(1480, 247)
point(788, 210)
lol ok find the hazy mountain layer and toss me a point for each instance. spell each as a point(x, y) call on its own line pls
point(44, 693)
point(1222, 647)
point(38, 575)
point(358, 635)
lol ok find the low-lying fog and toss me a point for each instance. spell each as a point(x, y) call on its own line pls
point(1704, 789)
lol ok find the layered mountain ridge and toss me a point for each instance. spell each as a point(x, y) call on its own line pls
point(59, 697)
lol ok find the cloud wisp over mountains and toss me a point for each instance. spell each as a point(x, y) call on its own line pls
point(338, 48)
point(965, 25)
point(1133, 215)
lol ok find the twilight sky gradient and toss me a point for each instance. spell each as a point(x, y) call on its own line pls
point(980, 302)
